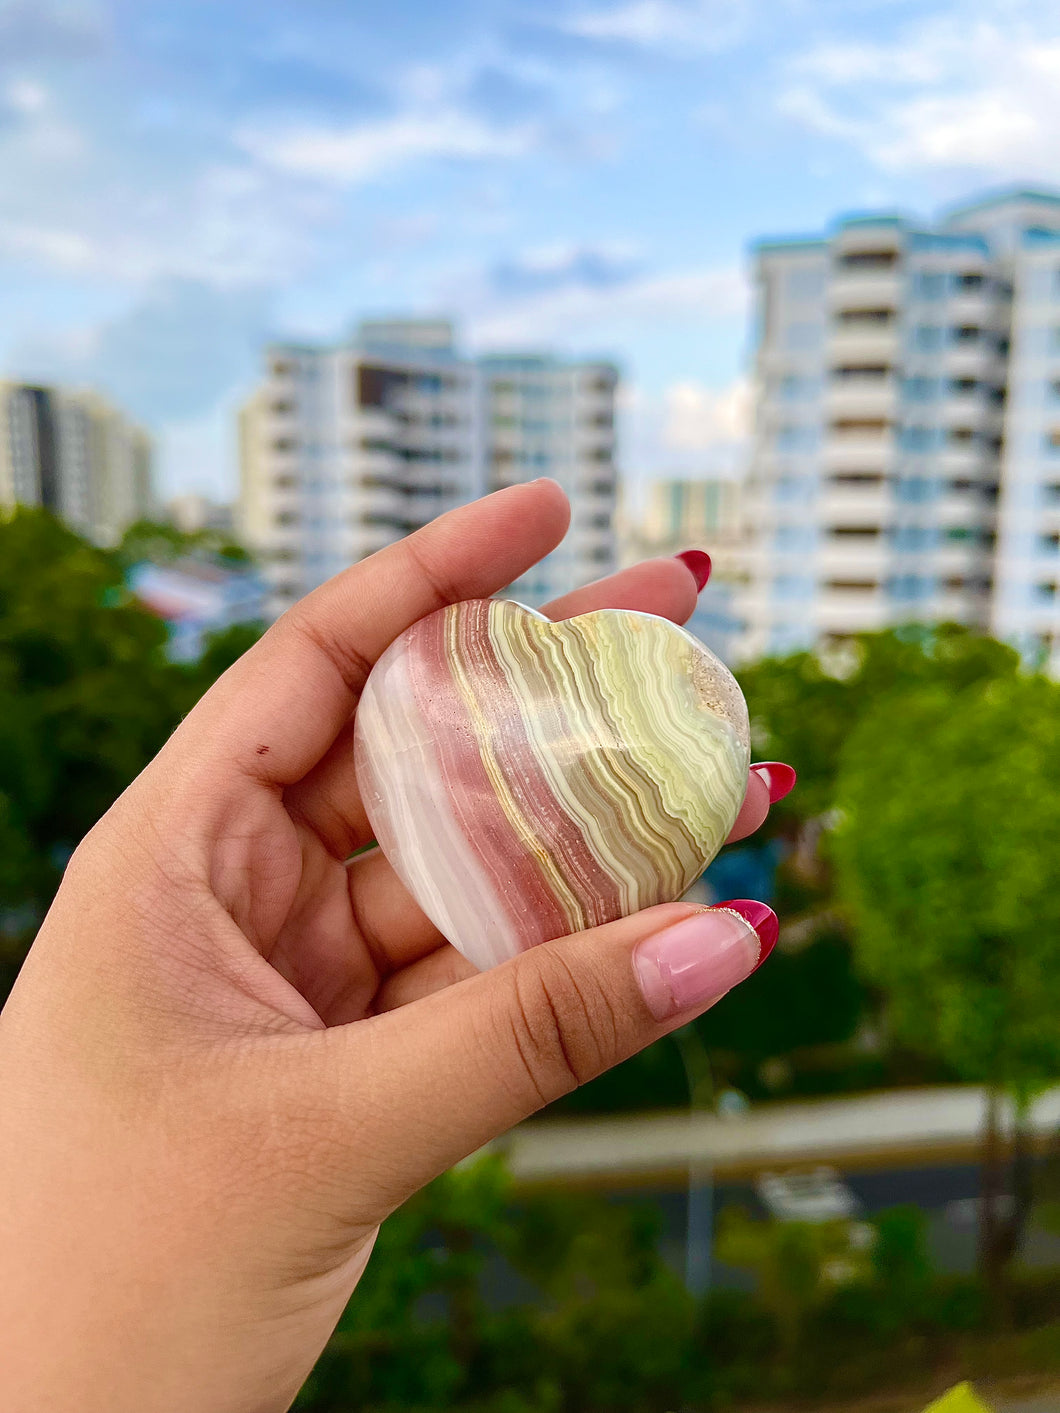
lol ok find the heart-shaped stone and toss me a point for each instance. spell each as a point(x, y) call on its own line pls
point(528, 779)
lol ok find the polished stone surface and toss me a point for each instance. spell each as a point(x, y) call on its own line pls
point(528, 779)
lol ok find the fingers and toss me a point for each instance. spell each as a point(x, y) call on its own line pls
point(462, 1065)
point(664, 587)
point(327, 800)
point(753, 811)
point(438, 969)
point(274, 714)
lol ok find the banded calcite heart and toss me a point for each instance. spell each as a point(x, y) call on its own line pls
point(528, 779)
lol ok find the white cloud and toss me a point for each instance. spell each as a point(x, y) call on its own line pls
point(594, 314)
point(707, 420)
point(669, 25)
point(687, 430)
point(349, 155)
point(964, 93)
point(25, 97)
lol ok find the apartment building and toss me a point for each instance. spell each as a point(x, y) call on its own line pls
point(901, 462)
point(75, 454)
point(675, 514)
point(344, 450)
point(549, 418)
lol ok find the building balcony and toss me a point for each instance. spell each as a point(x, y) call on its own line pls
point(840, 505)
point(856, 397)
point(846, 606)
point(864, 289)
point(855, 344)
point(845, 452)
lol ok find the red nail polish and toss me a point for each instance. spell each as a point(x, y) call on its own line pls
point(778, 777)
point(698, 562)
point(762, 918)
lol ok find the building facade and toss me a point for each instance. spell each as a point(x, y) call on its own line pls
point(901, 459)
point(678, 514)
point(345, 450)
point(73, 453)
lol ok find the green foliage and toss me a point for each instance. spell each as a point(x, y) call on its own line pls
point(803, 709)
point(943, 862)
point(161, 543)
point(87, 697)
point(797, 1263)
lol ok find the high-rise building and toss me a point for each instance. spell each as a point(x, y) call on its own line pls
point(707, 514)
point(75, 454)
point(549, 418)
point(907, 389)
point(346, 449)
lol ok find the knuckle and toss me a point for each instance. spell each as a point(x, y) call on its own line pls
point(563, 1026)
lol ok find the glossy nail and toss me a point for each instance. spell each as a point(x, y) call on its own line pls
point(698, 562)
point(779, 778)
point(696, 961)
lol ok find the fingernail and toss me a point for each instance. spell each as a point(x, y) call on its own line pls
point(779, 778)
point(698, 561)
point(696, 961)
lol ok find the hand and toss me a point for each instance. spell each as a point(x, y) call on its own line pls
point(230, 1054)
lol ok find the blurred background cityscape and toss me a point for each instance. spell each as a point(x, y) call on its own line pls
point(781, 284)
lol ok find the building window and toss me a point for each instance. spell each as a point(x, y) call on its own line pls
point(862, 373)
point(865, 318)
point(1052, 440)
point(860, 426)
point(1051, 493)
point(857, 480)
point(920, 389)
point(914, 489)
point(793, 586)
point(284, 444)
point(910, 587)
point(281, 368)
point(281, 407)
point(802, 336)
point(1045, 591)
point(962, 387)
point(929, 284)
point(918, 438)
point(854, 534)
point(287, 517)
point(852, 586)
point(805, 284)
point(960, 534)
point(1049, 544)
point(966, 333)
point(912, 538)
point(968, 280)
point(284, 483)
point(961, 436)
point(868, 260)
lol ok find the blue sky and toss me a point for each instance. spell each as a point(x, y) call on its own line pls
point(182, 179)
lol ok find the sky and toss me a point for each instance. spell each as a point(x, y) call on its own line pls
point(184, 180)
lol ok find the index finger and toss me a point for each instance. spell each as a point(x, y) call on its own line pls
point(274, 714)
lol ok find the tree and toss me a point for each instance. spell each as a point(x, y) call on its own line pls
point(948, 809)
point(87, 697)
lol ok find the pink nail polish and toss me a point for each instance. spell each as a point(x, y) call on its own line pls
point(698, 562)
point(778, 777)
point(695, 962)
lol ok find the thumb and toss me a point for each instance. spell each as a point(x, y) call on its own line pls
point(457, 1068)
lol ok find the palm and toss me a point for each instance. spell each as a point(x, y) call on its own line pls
point(345, 937)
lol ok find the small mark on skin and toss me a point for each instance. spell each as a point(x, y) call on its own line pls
point(263, 750)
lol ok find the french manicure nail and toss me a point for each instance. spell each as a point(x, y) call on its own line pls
point(779, 778)
point(687, 966)
point(698, 562)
